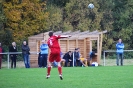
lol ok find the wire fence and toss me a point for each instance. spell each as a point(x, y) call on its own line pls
point(8, 56)
point(107, 61)
point(9, 53)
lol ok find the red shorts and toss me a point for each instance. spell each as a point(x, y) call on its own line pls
point(54, 55)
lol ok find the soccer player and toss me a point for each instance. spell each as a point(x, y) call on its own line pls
point(55, 53)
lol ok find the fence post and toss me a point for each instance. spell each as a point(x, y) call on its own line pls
point(104, 58)
point(8, 59)
point(73, 59)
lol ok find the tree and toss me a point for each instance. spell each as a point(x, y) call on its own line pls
point(59, 3)
point(28, 17)
point(122, 25)
point(2, 16)
point(25, 17)
point(5, 34)
point(54, 19)
point(117, 20)
point(80, 17)
point(6, 37)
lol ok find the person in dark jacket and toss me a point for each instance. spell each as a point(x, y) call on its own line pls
point(68, 58)
point(13, 57)
point(77, 57)
point(25, 53)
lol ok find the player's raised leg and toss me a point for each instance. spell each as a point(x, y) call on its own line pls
point(48, 70)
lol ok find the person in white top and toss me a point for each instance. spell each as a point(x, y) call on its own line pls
point(13, 57)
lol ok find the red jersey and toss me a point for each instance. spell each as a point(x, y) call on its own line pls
point(53, 43)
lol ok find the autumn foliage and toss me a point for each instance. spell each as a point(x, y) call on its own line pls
point(25, 18)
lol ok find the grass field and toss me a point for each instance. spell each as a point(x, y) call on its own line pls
point(77, 77)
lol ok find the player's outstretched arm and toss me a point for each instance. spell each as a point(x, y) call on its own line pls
point(65, 36)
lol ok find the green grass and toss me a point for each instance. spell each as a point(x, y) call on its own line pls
point(77, 77)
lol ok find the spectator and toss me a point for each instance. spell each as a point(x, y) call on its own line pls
point(83, 61)
point(62, 60)
point(13, 48)
point(43, 54)
point(25, 53)
point(1, 51)
point(68, 58)
point(91, 56)
point(77, 57)
point(119, 50)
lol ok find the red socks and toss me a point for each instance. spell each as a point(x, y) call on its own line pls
point(48, 70)
point(60, 70)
